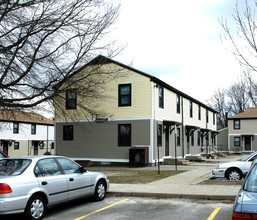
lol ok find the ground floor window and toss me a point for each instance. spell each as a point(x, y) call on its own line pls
point(16, 146)
point(237, 141)
point(124, 135)
point(68, 132)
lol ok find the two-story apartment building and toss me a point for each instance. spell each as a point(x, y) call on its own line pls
point(23, 133)
point(146, 114)
point(242, 131)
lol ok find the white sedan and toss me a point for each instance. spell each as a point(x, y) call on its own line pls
point(31, 184)
point(235, 170)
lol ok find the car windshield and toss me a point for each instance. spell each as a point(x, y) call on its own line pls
point(13, 167)
point(247, 157)
point(251, 181)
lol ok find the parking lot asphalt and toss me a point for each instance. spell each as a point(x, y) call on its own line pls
point(183, 185)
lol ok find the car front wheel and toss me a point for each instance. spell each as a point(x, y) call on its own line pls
point(100, 190)
point(35, 208)
point(234, 174)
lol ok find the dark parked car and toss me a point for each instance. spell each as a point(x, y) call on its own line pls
point(245, 203)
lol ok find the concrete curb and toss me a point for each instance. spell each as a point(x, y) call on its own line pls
point(174, 195)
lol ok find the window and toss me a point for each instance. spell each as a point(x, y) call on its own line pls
point(68, 132)
point(207, 116)
point(213, 118)
point(161, 95)
point(125, 95)
point(68, 166)
point(178, 104)
point(16, 146)
point(124, 135)
point(47, 167)
point(237, 124)
point(191, 109)
point(159, 135)
point(199, 112)
point(16, 128)
point(237, 141)
point(71, 99)
point(33, 128)
point(178, 136)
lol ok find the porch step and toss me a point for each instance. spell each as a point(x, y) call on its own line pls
point(195, 158)
point(171, 161)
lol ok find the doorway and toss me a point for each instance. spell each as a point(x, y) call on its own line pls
point(248, 143)
point(5, 146)
point(35, 147)
point(167, 141)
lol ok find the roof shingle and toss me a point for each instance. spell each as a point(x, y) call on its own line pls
point(19, 116)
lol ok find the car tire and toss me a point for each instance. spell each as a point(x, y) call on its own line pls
point(100, 190)
point(36, 208)
point(234, 174)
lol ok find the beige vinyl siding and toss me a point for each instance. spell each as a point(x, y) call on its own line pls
point(247, 126)
point(222, 140)
point(100, 140)
point(141, 97)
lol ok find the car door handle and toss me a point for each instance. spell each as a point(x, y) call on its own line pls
point(44, 183)
point(71, 179)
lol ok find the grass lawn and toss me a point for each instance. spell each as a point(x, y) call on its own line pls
point(139, 176)
point(221, 182)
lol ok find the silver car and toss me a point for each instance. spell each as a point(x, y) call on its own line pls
point(31, 184)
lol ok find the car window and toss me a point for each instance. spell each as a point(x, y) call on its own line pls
point(47, 167)
point(247, 157)
point(251, 180)
point(69, 166)
point(13, 167)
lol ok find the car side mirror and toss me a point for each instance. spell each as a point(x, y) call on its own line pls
point(83, 169)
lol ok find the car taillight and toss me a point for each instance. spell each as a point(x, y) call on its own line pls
point(5, 188)
point(239, 216)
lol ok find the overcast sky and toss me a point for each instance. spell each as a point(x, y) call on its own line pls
point(179, 41)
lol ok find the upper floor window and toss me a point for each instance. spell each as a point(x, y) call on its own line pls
point(178, 104)
point(33, 128)
point(125, 95)
point(71, 99)
point(207, 116)
point(16, 128)
point(68, 132)
point(237, 124)
point(161, 97)
point(191, 109)
point(214, 118)
point(199, 112)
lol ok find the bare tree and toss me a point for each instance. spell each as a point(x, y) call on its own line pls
point(238, 98)
point(243, 40)
point(42, 43)
point(219, 103)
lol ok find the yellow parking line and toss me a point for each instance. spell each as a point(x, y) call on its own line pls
point(213, 214)
point(99, 210)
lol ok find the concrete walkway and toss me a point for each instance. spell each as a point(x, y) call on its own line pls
point(184, 185)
